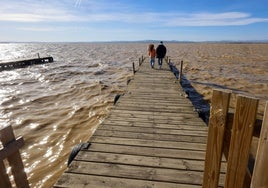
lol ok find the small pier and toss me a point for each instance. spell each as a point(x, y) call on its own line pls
point(152, 138)
point(25, 63)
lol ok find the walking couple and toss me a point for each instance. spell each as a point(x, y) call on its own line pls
point(159, 53)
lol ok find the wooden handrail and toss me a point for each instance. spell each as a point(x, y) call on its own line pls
point(259, 179)
point(217, 122)
point(243, 125)
point(231, 135)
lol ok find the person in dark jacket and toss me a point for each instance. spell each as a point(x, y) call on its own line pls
point(160, 53)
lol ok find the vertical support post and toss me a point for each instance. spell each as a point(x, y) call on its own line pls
point(15, 161)
point(133, 66)
point(260, 178)
point(38, 55)
point(242, 130)
point(4, 179)
point(217, 122)
point(180, 76)
point(139, 61)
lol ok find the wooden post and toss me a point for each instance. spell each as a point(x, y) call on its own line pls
point(217, 123)
point(133, 66)
point(139, 61)
point(4, 179)
point(180, 76)
point(38, 55)
point(243, 126)
point(10, 144)
point(260, 178)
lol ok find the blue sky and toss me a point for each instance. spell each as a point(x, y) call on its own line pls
point(131, 20)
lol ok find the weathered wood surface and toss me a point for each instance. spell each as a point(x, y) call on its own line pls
point(259, 177)
point(152, 138)
point(10, 151)
point(242, 131)
point(217, 123)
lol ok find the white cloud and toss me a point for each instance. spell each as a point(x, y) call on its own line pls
point(214, 19)
point(101, 12)
point(27, 11)
point(25, 17)
point(38, 29)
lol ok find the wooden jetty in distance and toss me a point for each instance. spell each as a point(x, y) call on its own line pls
point(25, 63)
point(152, 138)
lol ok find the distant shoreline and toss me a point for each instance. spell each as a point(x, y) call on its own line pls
point(149, 41)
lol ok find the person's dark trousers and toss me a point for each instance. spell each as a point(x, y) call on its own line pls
point(160, 60)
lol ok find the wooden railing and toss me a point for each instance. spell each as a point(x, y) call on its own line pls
point(10, 152)
point(233, 139)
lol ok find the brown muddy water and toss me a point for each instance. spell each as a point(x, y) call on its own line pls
point(58, 105)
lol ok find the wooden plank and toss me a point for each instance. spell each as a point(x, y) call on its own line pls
point(153, 117)
point(217, 121)
point(136, 172)
point(187, 113)
point(160, 99)
point(155, 102)
point(85, 181)
point(137, 160)
point(7, 136)
point(156, 98)
point(149, 143)
point(148, 151)
point(155, 109)
point(147, 136)
point(160, 121)
point(243, 126)
point(153, 131)
point(260, 178)
point(180, 124)
point(141, 114)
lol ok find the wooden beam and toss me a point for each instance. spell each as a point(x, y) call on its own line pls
point(4, 179)
point(260, 178)
point(217, 121)
point(180, 75)
point(11, 148)
point(133, 67)
point(243, 126)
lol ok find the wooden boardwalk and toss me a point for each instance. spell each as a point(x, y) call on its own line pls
point(152, 138)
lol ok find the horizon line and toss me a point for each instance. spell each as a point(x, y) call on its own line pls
point(149, 40)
